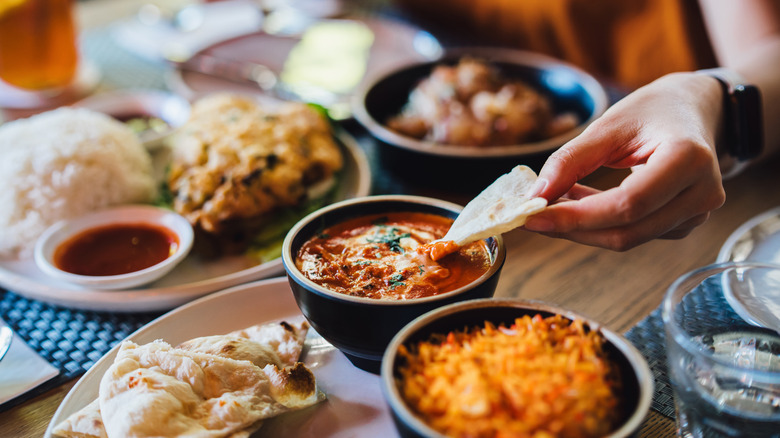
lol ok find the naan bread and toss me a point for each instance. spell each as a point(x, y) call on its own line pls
point(85, 423)
point(279, 344)
point(156, 390)
point(235, 348)
point(504, 205)
point(284, 338)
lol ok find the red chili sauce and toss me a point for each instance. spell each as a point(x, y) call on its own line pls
point(115, 249)
point(376, 257)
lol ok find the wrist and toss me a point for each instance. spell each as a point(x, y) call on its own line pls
point(741, 121)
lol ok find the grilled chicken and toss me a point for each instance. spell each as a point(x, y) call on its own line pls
point(235, 163)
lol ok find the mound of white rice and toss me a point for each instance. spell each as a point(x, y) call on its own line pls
point(62, 164)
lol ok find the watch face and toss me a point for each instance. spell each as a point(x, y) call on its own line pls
point(747, 122)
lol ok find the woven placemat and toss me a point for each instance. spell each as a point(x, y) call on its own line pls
point(71, 340)
point(708, 303)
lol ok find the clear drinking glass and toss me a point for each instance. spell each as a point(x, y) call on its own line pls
point(37, 43)
point(723, 351)
point(39, 56)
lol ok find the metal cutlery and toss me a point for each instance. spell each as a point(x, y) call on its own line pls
point(232, 70)
point(6, 336)
point(252, 73)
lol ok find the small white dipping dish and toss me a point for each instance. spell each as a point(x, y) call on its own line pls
point(144, 105)
point(155, 217)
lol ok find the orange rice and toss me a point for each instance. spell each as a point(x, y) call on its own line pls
point(541, 377)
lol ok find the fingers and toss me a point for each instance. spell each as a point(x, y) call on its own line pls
point(579, 191)
point(665, 223)
point(579, 158)
point(669, 172)
point(623, 239)
point(686, 227)
point(666, 198)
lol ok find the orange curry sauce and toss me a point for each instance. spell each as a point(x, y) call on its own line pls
point(377, 257)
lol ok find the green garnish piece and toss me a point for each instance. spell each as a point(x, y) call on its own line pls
point(396, 280)
point(392, 238)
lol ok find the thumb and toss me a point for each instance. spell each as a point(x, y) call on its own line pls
point(573, 161)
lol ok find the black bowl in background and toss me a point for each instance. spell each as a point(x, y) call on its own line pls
point(637, 393)
point(362, 327)
point(569, 89)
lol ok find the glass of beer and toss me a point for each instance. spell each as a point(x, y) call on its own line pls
point(723, 350)
point(38, 51)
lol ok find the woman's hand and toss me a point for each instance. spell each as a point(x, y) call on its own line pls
point(666, 133)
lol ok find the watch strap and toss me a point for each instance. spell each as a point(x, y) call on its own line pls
point(742, 115)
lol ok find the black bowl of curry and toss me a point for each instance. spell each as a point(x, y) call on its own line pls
point(357, 275)
point(518, 367)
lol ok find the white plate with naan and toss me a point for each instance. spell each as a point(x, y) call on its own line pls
point(354, 406)
point(191, 279)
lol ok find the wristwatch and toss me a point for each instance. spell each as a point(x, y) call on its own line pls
point(742, 117)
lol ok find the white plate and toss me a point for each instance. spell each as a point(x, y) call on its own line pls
point(757, 240)
point(191, 279)
point(395, 44)
point(354, 406)
point(87, 79)
point(200, 24)
point(128, 103)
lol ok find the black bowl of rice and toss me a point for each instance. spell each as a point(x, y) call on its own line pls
point(516, 366)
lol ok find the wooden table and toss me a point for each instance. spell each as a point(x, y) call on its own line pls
point(617, 289)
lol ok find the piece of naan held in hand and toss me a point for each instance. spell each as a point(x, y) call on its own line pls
point(504, 205)
point(278, 344)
